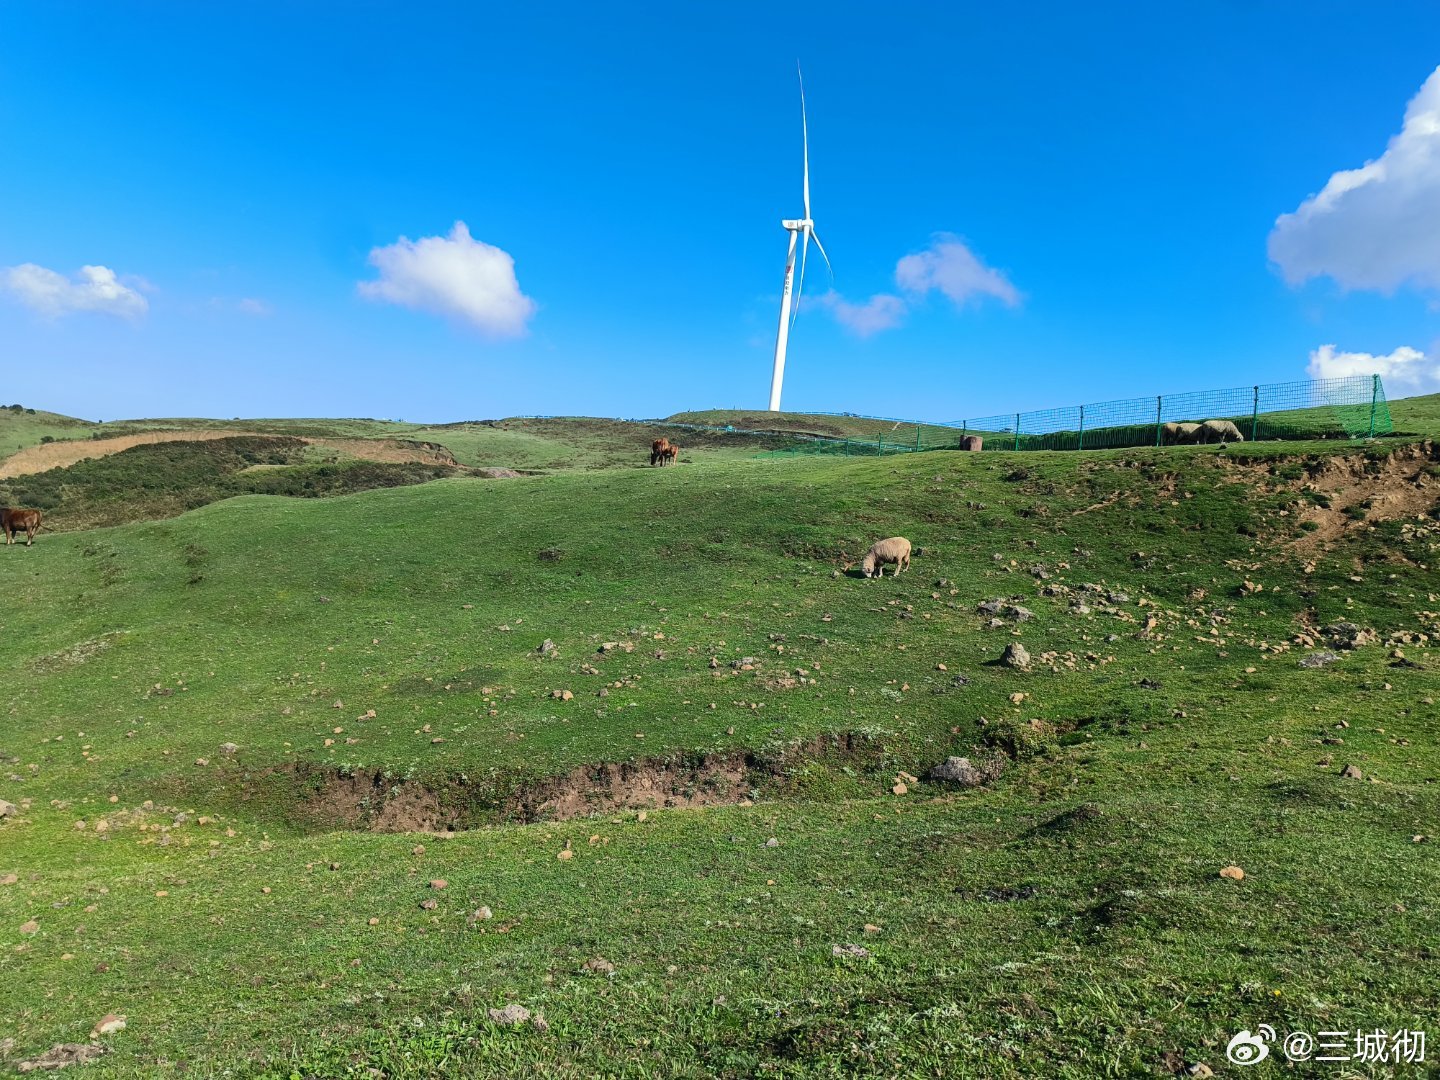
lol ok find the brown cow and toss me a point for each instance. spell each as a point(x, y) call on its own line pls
point(672, 452)
point(657, 450)
point(13, 520)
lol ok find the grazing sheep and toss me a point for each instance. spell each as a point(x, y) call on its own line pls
point(894, 550)
point(1173, 434)
point(1220, 431)
point(657, 450)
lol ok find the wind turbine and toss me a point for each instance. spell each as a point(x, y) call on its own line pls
point(802, 231)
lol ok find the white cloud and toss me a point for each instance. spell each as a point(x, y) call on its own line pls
point(456, 276)
point(51, 294)
point(1378, 226)
point(946, 266)
point(952, 268)
point(1406, 369)
point(881, 312)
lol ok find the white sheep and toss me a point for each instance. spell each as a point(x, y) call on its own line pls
point(894, 550)
point(1220, 431)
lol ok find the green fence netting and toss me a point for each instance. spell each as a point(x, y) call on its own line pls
point(1349, 408)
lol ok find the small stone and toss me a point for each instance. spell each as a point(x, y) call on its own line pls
point(600, 964)
point(438, 883)
point(229, 747)
point(265, 890)
point(418, 849)
point(565, 855)
point(482, 914)
point(1015, 656)
point(539, 1023)
point(510, 1016)
point(372, 921)
point(31, 927)
point(772, 842)
point(871, 928)
point(899, 788)
point(848, 950)
point(334, 866)
point(429, 905)
point(1234, 873)
point(9, 879)
point(1200, 1071)
point(1351, 772)
point(958, 770)
point(163, 892)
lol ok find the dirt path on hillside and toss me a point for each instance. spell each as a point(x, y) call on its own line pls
point(64, 453)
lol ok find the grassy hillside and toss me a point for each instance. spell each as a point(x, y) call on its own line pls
point(847, 427)
point(1417, 415)
point(382, 657)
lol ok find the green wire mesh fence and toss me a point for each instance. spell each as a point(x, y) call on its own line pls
point(1348, 408)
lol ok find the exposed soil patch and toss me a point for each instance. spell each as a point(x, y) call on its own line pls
point(37, 459)
point(1345, 492)
point(322, 798)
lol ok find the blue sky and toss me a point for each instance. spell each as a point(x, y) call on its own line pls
point(267, 195)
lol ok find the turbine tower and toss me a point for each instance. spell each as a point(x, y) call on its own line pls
point(802, 231)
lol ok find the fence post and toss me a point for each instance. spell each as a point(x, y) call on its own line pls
point(1159, 402)
point(917, 437)
point(1017, 431)
point(1374, 400)
point(1255, 415)
point(1080, 443)
point(880, 443)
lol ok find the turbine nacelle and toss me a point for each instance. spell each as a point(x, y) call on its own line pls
point(795, 225)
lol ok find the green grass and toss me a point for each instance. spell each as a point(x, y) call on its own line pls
point(1067, 921)
point(1417, 415)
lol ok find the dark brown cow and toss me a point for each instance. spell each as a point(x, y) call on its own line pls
point(14, 520)
point(657, 450)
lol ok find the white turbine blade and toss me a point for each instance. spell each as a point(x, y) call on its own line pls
point(805, 137)
point(822, 252)
point(800, 285)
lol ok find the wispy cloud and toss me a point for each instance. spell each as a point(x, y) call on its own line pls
point(947, 266)
point(96, 289)
point(881, 312)
point(456, 276)
point(1378, 226)
point(951, 268)
point(1407, 370)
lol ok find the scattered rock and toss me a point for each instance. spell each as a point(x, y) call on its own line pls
point(229, 747)
point(562, 695)
point(539, 1023)
point(429, 905)
point(9, 879)
point(1234, 873)
point(546, 647)
point(772, 842)
point(848, 950)
point(565, 855)
point(1015, 656)
point(29, 928)
point(510, 1016)
point(1351, 772)
point(899, 788)
point(107, 1025)
point(1318, 659)
point(957, 770)
point(481, 914)
point(438, 883)
point(1200, 1071)
point(600, 964)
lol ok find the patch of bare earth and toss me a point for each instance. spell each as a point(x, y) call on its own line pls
point(368, 800)
point(37, 459)
point(1357, 490)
